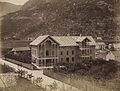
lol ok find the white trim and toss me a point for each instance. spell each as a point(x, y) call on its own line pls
point(46, 58)
point(49, 58)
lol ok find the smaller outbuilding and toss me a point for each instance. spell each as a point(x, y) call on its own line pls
point(18, 50)
point(100, 45)
point(110, 56)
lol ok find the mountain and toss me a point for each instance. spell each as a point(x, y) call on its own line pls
point(6, 8)
point(60, 17)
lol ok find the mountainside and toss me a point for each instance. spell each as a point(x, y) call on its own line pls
point(60, 17)
point(6, 8)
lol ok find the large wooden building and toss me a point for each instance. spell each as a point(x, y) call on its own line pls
point(48, 50)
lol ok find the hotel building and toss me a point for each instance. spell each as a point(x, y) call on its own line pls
point(48, 50)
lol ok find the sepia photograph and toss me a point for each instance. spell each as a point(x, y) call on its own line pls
point(59, 45)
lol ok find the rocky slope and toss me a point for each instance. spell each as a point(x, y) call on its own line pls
point(60, 17)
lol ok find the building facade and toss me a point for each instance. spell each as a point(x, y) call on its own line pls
point(48, 50)
point(100, 45)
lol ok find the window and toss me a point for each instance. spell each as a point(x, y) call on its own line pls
point(67, 52)
point(53, 46)
point(61, 59)
point(53, 61)
point(72, 52)
point(39, 62)
point(83, 52)
point(61, 53)
point(83, 58)
point(90, 57)
point(53, 53)
point(67, 60)
point(56, 61)
point(47, 53)
point(72, 59)
point(90, 51)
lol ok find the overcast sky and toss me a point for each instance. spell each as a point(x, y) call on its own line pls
point(18, 2)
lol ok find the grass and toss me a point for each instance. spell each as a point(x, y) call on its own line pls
point(14, 43)
point(24, 85)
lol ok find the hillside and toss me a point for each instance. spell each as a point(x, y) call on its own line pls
point(6, 8)
point(60, 17)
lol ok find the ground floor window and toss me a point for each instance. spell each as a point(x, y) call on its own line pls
point(56, 60)
point(72, 59)
point(39, 62)
point(67, 59)
point(61, 59)
point(90, 57)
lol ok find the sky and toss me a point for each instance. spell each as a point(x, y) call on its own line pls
point(18, 2)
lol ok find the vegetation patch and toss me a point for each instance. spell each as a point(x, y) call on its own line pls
point(97, 69)
point(5, 69)
point(88, 75)
point(24, 57)
point(24, 85)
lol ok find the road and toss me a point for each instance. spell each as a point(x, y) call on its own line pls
point(46, 80)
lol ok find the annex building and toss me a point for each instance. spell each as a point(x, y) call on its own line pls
point(48, 50)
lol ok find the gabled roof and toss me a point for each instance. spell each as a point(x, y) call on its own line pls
point(100, 43)
point(81, 38)
point(64, 40)
point(21, 49)
point(38, 40)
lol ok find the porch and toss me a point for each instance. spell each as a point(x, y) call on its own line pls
point(47, 61)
